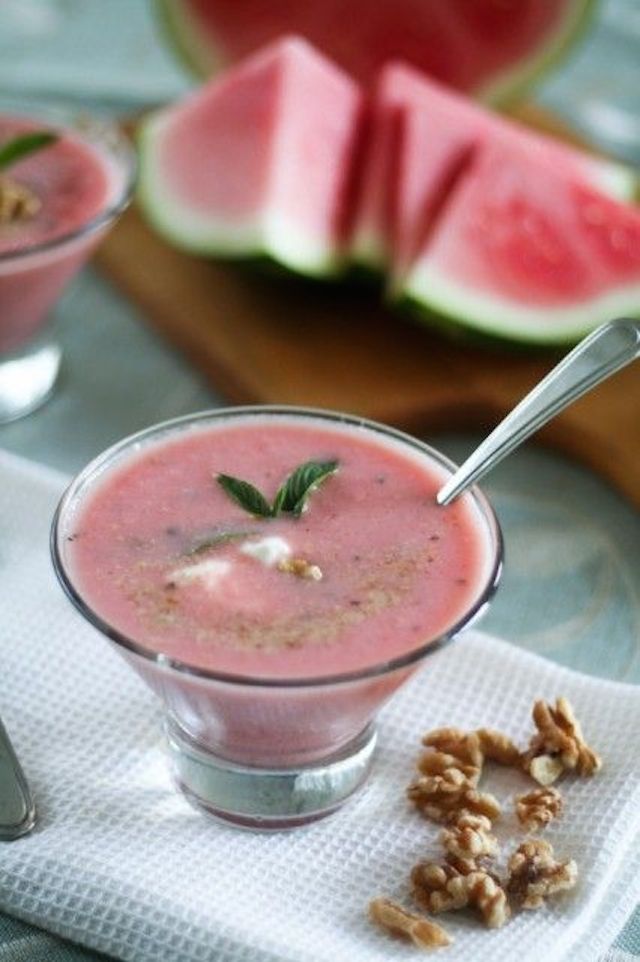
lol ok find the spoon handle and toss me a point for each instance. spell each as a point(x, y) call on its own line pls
point(609, 348)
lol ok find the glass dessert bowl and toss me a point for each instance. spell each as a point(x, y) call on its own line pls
point(273, 628)
point(56, 205)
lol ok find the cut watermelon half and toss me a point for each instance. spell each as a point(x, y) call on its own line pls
point(527, 253)
point(258, 163)
point(420, 137)
point(488, 48)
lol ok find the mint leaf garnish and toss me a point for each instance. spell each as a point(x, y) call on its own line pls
point(291, 497)
point(19, 147)
point(245, 495)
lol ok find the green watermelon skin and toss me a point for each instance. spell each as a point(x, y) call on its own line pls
point(526, 255)
point(421, 135)
point(258, 163)
point(491, 49)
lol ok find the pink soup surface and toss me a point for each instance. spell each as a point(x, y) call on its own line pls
point(70, 178)
point(397, 570)
point(74, 184)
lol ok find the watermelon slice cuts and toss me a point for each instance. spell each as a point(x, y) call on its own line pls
point(421, 135)
point(527, 253)
point(488, 48)
point(258, 163)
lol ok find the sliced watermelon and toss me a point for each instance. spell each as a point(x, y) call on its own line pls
point(420, 137)
point(527, 252)
point(488, 48)
point(258, 163)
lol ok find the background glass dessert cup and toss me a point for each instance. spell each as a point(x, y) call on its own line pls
point(41, 254)
point(266, 751)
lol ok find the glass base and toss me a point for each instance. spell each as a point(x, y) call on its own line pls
point(27, 379)
point(268, 798)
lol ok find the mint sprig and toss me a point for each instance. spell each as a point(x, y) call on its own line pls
point(19, 147)
point(291, 497)
point(245, 495)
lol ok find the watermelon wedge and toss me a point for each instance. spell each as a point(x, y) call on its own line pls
point(421, 135)
point(527, 253)
point(258, 163)
point(488, 48)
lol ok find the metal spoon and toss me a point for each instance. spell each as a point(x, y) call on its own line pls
point(17, 810)
point(609, 348)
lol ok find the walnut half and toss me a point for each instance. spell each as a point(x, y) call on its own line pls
point(558, 744)
point(497, 747)
point(397, 920)
point(465, 746)
point(469, 838)
point(445, 800)
point(534, 874)
point(17, 202)
point(442, 888)
point(440, 763)
point(538, 808)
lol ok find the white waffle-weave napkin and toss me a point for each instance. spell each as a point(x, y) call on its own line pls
point(120, 862)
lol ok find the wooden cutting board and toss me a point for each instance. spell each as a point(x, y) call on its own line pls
point(262, 339)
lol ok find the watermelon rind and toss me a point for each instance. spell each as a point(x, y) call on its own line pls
point(186, 39)
point(270, 239)
point(614, 179)
point(202, 57)
point(512, 84)
point(436, 299)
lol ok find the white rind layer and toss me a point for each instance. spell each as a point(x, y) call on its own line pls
point(501, 317)
point(613, 179)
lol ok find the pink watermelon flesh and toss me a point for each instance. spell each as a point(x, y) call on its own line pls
point(262, 157)
point(528, 252)
point(416, 140)
point(435, 132)
point(473, 45)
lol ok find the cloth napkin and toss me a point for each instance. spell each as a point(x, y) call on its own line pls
point(121, 863)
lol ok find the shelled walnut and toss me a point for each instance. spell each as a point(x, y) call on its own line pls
point(534, 874)
point(444, 801)
point(397, 920)
point(539, 807)
point(468, 839)
point(454, 741)
point(17, 202)
point(558, 744)
point(446, 790)
point(441, 763)
point(301, 568)
point(497, 747)
point(442, 888)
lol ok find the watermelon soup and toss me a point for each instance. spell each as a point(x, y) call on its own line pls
point(75, 185)
point(274, 640)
